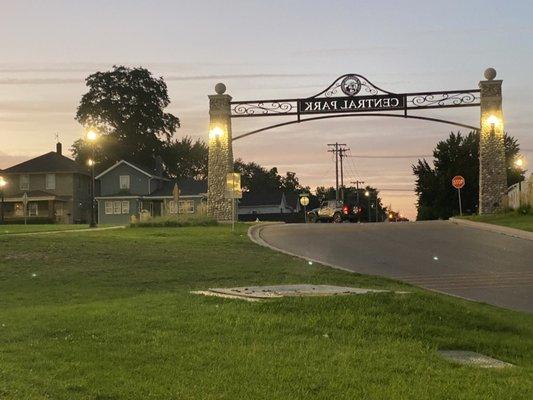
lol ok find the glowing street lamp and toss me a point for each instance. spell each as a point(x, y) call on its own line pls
point(3, 183)
point(519, 162)
point(493, 120)
point(216, 132)
point(92, 137)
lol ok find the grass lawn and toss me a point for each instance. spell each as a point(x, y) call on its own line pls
point(512, 220)
point(108, 315)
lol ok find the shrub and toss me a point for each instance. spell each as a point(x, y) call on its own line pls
point(524, 209)
point(176, 222)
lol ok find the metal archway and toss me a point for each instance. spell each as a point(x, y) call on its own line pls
point(443, 121)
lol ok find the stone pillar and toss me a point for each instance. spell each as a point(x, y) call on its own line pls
point(220, 154)
point(492, 169)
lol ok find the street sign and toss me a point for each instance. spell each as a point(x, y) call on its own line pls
point(233, 186)
point(304, 201)
point(458, 182)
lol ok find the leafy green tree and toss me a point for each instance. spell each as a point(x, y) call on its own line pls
point(457, 155)
point(126, 106)
point(186, 159)
point(257, 179)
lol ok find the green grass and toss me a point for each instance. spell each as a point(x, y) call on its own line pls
point(510, 219)
point(108, 315)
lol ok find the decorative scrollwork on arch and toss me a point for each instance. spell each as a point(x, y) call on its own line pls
point(443, 99)
point(365, 87)
point(263, 108)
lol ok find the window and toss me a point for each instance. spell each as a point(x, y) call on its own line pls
point(117, 207)
point(172, 207)
point(186, 206)
point(24, 182)
point(50, 181)
point(125, 207)
point(33, 209)
point(108, 207)
point(124, 182)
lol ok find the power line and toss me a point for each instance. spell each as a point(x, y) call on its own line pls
point(386, 156)
point(338, 149)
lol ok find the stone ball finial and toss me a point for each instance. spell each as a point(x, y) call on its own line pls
point(490, 74)
point(220, 88)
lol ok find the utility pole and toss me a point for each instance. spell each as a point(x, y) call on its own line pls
point(356, 183)
point(342, 154)
point(337, 148)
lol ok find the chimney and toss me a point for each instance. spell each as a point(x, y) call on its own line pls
point(59, 148)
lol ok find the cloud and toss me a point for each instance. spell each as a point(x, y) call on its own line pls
point(40, 81)
point(7, 160)
point(171, 78)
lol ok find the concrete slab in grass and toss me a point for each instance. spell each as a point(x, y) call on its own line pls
point(473, 359)
point(277, 291)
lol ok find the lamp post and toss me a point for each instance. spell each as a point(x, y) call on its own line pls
point(519, 164)
point(3, 183)
point(367, 195)
point(91, 137)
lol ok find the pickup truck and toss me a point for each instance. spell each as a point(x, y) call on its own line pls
point(333, 211)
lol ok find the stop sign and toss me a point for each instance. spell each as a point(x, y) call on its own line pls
point(458, 181)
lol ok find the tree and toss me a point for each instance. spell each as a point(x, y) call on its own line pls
point(186, 159)
point(457, 155)
point(257, 179)
point(126, 106)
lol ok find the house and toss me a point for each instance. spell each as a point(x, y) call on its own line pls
point(267, 206)
point(128, 191)
point(56, 187)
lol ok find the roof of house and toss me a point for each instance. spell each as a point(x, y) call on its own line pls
point(187, 187)
point(151, 172)
point(49, 162)
point(37, 194)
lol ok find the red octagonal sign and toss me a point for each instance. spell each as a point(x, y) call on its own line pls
point(458, 181)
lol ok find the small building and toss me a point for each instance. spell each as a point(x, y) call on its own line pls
point(128, 191)
point(57, 190)
point(273, 206)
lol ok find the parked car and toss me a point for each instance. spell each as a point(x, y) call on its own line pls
point(333, 211)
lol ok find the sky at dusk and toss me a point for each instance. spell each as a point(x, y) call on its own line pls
point(269, 49)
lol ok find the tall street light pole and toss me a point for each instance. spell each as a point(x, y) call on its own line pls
point(91, 137)
point(367, 195)
point(3, 183)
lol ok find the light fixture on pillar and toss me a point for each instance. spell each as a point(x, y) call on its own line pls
point(519, 162)
point(493, 120)
point(216, 132)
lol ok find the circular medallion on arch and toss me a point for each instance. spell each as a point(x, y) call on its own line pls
point(351, 85)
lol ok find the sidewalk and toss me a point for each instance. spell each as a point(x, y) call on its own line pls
point(64, 231)
point(504, 230)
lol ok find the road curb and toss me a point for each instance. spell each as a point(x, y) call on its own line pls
point(254, 234)
point(504, 230)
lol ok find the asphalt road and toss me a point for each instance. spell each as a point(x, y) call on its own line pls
point(438, 255)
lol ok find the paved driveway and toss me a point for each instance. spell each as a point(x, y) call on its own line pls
point(438, 255)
